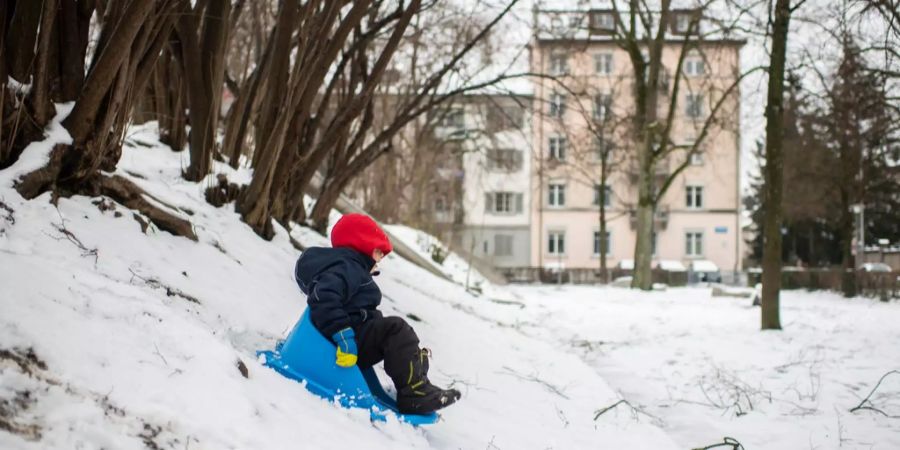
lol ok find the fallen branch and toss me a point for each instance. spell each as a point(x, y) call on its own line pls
point(600, 412)
point(870, 407)
point(170, 291)
point(726, 442)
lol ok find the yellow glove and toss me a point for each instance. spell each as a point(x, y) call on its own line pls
point(346, 347)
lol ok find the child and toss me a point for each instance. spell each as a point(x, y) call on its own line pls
point(343, 300)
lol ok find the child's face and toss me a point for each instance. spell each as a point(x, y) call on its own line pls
point(377, 255)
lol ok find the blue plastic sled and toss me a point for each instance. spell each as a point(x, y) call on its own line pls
point(307, 356)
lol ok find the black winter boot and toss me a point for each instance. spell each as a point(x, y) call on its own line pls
point(417, 395)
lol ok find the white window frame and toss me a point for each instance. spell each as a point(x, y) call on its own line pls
point(557, 105)
point(607, 198)
point(556, 236)
point(603, 63)
point(559, 64)
point(693, 243)
point(602, 106)
point(694, 66)
point(556, 147)
point(682, 23)
point(697, 158)
point(604, 21)
point(504, 203)
point(596, 245)
point(556, 194)
point(694, 196)
point(504, 159)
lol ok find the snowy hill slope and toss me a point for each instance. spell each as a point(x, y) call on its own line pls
point(112, 338)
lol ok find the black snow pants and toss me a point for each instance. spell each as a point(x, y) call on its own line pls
point(390, 339)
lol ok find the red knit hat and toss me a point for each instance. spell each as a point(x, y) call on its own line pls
point(361, 233)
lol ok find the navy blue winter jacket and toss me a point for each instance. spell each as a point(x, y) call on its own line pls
point(339, 289)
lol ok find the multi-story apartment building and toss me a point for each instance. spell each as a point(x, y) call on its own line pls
point(699, 216)
point(496, 194)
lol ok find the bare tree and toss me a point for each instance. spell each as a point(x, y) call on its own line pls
point(644, 33)
point(774, 169)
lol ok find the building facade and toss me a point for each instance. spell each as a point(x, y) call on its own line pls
point(496, 195)
point(697, 220)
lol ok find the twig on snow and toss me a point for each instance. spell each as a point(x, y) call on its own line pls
point(156, 284)
point(726, 442)
point(535, 379)
point(69, 236)
point(866, 403)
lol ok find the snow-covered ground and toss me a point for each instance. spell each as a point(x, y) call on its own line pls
point(137, 338)
point(699, 367)
point(136, 341)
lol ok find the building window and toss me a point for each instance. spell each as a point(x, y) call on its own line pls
point(607, 242)
point(602, 195)
point(503, 245)
point(694, 66)
point(556, 242)
point(503, 202)
point(603, 63)
point(454, 118)
point(502, 117)
point(556, 194)
point(557, 148)
point(694, 197)
point(693, 105)
point(603, 21)
point(602, 107)
point(557, 105)
point(693, 243)
point(559, 64)
point(696, 158)
point(682, 23)
point(602, 147)
point(504, 159)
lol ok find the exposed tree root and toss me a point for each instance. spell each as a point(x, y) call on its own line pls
point(129, 194)
point(120, 189)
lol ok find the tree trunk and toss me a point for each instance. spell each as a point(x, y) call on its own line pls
point(774, 170)
point(81, 120)
point(21, 38)
point(604, 271)
point(643, 276)
point(202, 63)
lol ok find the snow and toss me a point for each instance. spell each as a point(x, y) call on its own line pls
point(626, 264)
point(132, 362)
point(703, 265)
point(454, 266)
point(700, 365)
point(36, 154)
point(671, 265)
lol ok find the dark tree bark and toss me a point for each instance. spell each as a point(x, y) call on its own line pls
point(203, 66)
point(771, 276)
